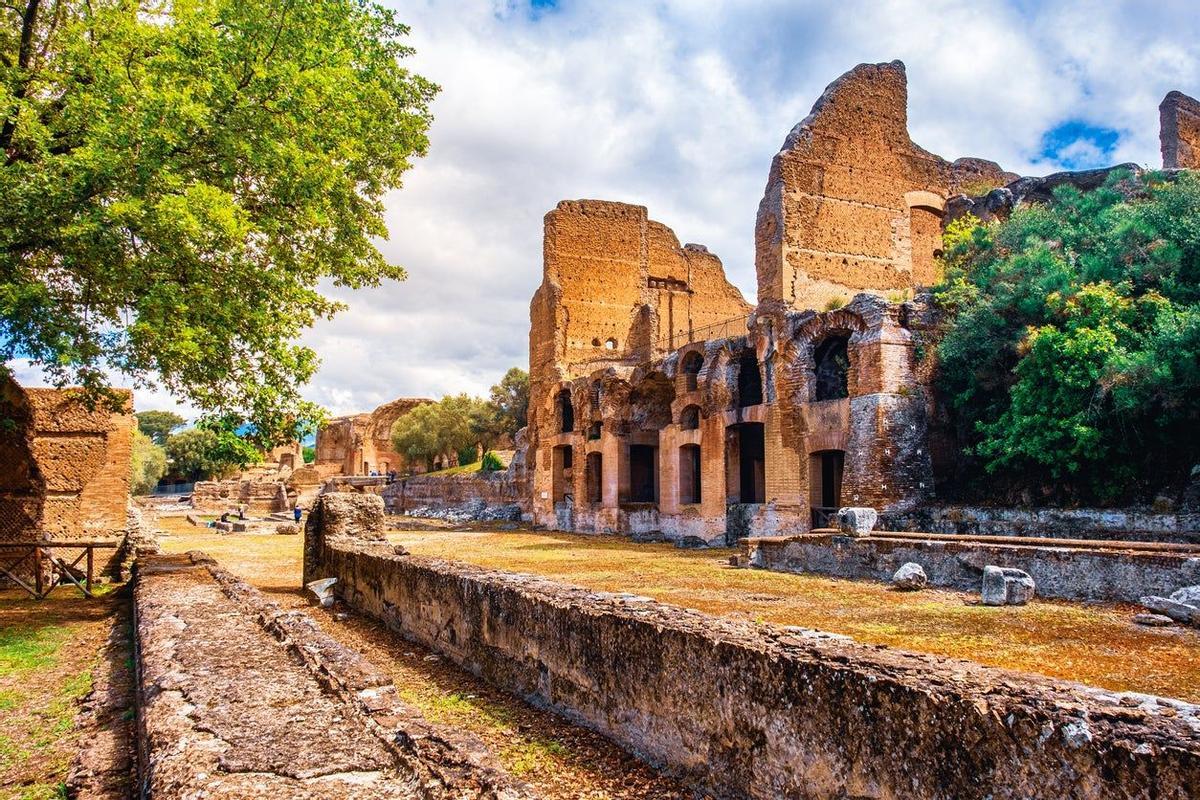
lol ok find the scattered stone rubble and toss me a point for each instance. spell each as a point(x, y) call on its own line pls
point(857, 521)
point(1182, 606)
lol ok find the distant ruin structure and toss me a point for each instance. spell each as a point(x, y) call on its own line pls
point(662, 402)
point(359, 444)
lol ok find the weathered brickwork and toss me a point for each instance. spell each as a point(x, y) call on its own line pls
point(779, 712)
point(359, 444)
point(64, 468)
point(851, 203)
point(659, 403)
point(1179, 132)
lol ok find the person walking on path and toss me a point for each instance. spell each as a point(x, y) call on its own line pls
point(296, 512)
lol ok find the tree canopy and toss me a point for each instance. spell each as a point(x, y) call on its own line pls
point(1071, 355)
point(433, 430)
point(158, 425)
point(203, 453)
point(504, 413)
point(179, 181)
point(147, 464)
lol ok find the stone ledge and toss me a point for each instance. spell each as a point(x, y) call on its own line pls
point(750, 710)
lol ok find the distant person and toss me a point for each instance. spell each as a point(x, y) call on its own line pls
point(296, 512)
point(374, 474)
point(391, 476)
point(242, 511)
point(225, 516)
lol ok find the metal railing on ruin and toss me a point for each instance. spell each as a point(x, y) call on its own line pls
point(725, 329)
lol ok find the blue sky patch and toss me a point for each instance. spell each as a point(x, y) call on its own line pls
point(1078, 145)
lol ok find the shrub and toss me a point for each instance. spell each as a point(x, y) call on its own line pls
point(491, 462)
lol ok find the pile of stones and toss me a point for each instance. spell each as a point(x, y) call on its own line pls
point(1182, 607)
point(474, 511)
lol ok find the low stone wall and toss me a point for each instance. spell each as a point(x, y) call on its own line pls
point(745, 710)
point(239, 698)
point(483, 489)
point(1113, 574)
point(259, 497)
point(1065, 523)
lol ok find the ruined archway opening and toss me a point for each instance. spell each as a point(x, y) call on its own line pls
point(745, 463)
point(749, 381)
point(594, 431)
point(693, 362)
point(595, 478)
point(689, 418)
point(689, 474)
point(563, 468)
point(566, 412)
point(831, 359)
point(825, 469)
point(643, 473)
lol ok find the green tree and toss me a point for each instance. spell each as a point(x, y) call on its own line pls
point(505, 411)
point(1071, 354)
point(203, 453)
point(310, 454)
point(147, 464)
point(438, 429)
point(181, 179)
point(159, 424)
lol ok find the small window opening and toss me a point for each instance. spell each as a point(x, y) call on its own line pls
point(832, 368)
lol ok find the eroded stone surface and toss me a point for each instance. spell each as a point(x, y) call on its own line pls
point(780, 712)
point(910, 577)
point(240, 699)
point(1006, 586)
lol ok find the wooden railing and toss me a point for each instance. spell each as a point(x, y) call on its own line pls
point(47, 567)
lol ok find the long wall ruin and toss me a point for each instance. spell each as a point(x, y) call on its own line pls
point(662, 402)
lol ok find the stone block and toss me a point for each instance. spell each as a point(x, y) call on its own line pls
point(1153, 620)
point(1005, 586)
point(1180, 612)
point(857, 521)
point(910, 577)
point(1188, 594)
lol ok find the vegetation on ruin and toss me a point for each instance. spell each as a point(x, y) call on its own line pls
point(158, 425)
point(181, 179)
point(310, 454)
point(1071, 353)
point(147, 464)
point(201, 453)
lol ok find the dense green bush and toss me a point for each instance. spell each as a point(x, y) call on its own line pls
point(147, 464)
point(1071, 351)
point(491, 463)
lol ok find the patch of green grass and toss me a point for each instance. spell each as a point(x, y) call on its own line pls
point(23, 649)
point(10, 752)
point(534, 755)
point(9, 700)
point(458, 708)
point(462, 469)
point(43, 791)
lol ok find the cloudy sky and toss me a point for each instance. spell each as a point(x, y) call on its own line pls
point(679, 105)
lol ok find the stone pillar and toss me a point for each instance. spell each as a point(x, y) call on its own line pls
point(668, 470)
point(340, 518)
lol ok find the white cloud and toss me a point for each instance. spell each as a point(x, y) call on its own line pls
point(679, 106)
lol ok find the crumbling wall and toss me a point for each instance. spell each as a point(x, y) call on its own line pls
point(1179, 131)
point(358, 444)
point(746, 710)
point(64, 474)
point(442, 492)
point(259, 496)
point(851, 204)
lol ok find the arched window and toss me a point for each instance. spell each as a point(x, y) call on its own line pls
point(594, 431)
point(689, 418)
point(692, 363)
point(566, 412)
point(749, 381)
point(832, 363)
point(689, 474)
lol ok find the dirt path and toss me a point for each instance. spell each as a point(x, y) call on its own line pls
point(559, 760)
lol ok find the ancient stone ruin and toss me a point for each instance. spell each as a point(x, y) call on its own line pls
point(660, 401)
point(64, 467)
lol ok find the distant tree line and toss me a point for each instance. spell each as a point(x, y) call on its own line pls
point(198, 453)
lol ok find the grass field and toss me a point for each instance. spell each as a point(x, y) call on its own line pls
point(1095, 644)
point(48, 650)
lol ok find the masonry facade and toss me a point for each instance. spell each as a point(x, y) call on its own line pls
point(661, 401)
point(64, 467)
point(359, 444)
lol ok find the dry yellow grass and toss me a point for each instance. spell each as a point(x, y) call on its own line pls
point(1095, 644)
